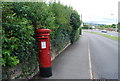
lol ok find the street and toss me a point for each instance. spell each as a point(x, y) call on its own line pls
point(104, 56)
point(60, 39)
point(92, 56)
point(112, 33)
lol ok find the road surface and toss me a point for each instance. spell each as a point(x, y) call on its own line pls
point(104, 56)
point(93, 50)
point(112, 33)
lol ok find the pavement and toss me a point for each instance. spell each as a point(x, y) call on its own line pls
point(92, 56)
point(73, 63)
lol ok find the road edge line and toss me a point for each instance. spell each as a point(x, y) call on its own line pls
point(90, 63)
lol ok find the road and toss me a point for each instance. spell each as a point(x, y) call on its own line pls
point(104, 56)
point(112, 33)
point(93, 50)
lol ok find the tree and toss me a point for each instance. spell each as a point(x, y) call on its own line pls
point(113, 26)
point(75, 23)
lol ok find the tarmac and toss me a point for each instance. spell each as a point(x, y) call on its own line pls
point(72, 63)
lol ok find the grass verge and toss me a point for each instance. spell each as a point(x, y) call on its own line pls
point(109, 36)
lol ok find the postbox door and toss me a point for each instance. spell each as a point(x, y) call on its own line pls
point(45, 58)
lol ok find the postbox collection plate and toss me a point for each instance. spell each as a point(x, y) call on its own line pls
point(43, 44)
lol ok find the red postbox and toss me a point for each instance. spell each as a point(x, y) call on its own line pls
point(43, 36)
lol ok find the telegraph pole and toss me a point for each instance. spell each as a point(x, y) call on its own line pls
point(81, 21)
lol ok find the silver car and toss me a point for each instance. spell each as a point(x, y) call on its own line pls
point(104, 31)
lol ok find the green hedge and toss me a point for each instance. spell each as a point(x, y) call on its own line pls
point(80, 30)
point(21, 19)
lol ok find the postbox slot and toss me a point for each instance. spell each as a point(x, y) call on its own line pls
point(43, 38)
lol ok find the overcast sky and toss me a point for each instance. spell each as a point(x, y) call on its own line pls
point(95, 11)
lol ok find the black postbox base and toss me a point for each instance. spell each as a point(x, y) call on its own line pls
point(45, 71)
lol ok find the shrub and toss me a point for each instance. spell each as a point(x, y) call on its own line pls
point(22, 19)
point(17, 37)
point(75, 23)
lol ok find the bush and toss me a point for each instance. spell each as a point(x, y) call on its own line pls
point(80, 31)
point(22, 19)
point(17, 37)
point(75, 23)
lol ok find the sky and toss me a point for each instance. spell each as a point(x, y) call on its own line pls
point(95, 11)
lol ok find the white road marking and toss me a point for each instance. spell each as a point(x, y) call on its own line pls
point(90, 64)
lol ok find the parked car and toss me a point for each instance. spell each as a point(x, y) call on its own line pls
point(104, 31)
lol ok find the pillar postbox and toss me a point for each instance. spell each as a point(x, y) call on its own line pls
point(43, 36)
